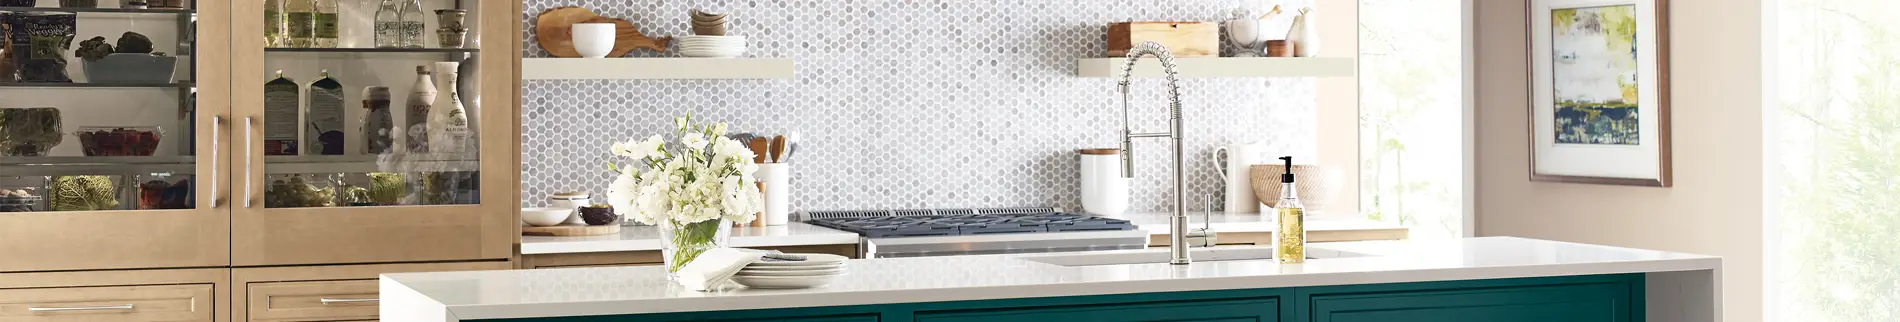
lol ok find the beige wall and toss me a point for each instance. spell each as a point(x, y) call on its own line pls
point(1715, 206)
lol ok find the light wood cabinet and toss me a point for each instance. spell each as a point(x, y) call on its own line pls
point(323, 293)
point(141, 295)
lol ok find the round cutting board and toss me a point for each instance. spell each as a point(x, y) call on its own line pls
point(553, 29)
point(570, 230)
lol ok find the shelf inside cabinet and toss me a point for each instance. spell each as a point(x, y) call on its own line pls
point(656, 68)
point(168, 11)
point(374, 50)
point(422, 162)
point(1202, 67)
point(75, 165)
point(97, 85)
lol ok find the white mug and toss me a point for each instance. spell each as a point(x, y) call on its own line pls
point(594, 40)
point(1104, 190)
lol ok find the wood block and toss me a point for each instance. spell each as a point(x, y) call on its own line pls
point(1184, 39)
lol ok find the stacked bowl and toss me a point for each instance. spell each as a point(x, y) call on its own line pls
point(816, 270)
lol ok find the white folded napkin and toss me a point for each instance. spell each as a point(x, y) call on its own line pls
point(715, 266)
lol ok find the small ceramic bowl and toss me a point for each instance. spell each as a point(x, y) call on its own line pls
point(599, 215)
point(543, 217)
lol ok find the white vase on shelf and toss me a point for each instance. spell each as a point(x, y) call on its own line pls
point(1304, 34)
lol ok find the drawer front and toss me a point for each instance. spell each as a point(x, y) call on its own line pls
point(313, 301)
point(187, 302)
point(1569, 303)
point(1237, 310)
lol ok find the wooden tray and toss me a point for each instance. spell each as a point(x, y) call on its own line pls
point(570, 230)
point(553, 29)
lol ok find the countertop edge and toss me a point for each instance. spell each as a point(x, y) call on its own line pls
point(776, 301)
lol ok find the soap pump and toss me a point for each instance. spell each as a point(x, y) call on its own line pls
point(1289, 243)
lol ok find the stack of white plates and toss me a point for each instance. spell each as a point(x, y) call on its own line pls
point(712, 46)
point(816, 270)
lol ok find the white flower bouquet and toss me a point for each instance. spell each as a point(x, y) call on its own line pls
point(693, 189)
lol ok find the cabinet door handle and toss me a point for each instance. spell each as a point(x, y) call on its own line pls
point(217, 122)
point(328, 301)
point(248, 121)
point(79, 308)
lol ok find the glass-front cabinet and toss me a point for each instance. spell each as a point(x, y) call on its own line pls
point(111, 116)
point(362, 134)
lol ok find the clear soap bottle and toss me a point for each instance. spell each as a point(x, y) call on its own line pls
point(1289, 243)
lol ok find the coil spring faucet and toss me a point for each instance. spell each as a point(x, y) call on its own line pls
point(1178, 224)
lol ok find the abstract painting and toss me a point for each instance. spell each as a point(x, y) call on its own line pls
point(1594, 75)
point(1599, 100)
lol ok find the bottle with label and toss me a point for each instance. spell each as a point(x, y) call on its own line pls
point(379, 128)
point(412, 25)
point(1289, 243)
point(280, 116)
point(274, 34)
point(326, 24)
point(416, 120)
point(301, 23)
point(325, 116)
point(389, 24)
point(448, 125)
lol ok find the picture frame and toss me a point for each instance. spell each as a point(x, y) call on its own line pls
point(1599, 91)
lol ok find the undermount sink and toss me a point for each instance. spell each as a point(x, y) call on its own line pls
point(1160, 255)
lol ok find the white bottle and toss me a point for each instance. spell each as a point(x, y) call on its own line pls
point(1304, 34)
point(416, 120)
point(448, 124)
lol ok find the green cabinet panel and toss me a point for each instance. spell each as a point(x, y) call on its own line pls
point(737, 316)
point(1236, 310)
point(1610, 298)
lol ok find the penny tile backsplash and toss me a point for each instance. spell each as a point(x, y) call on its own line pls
point(915, 104)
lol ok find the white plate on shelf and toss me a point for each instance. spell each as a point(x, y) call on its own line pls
point(810, 260)
point(793, 268)
point(785, 281)
point(770, 273)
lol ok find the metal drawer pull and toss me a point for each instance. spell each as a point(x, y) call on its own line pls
point(338, 301)
point(217, 122)
point(248, 120)
point(79, 308)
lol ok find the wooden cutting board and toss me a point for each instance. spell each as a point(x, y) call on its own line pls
point(570, 230)
point(553, 29)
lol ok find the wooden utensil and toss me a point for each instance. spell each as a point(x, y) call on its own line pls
point(570, 230)
point(759, 147)
point(626, 38)
point(778, 148)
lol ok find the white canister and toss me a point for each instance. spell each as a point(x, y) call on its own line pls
point(778, 192)
point(594, 40)
point(570, 200)
point(1304, 34)
point(1104, 190)
point(1234, 163)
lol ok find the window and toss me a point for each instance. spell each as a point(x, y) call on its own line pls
point(1412, 115)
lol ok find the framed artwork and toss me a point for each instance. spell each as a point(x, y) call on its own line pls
point(1599, 78)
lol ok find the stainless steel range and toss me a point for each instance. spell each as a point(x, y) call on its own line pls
point(946, 232)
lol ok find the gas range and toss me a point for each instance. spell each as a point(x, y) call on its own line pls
point(945, 232)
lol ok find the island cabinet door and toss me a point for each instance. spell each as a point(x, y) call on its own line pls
point(1560, 300)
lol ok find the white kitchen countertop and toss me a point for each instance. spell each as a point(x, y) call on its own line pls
point(639, 238)
point(1156, 223)
point(450, 296)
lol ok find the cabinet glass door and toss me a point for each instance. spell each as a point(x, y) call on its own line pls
point(110, 121)
point(362, 126)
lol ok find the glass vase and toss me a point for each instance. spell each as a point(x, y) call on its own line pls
point(681, 243)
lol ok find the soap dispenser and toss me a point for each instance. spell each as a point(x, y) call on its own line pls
point(1289, 243)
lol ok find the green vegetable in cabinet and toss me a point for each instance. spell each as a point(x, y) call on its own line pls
point(93, 49)
point(82, 193)
point(297, 193)
point(357, 196)
point(29, 131)
point(387, 188)
point(134, 43)
point(438, 188)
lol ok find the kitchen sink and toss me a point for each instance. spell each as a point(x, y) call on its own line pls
point(1200, 255)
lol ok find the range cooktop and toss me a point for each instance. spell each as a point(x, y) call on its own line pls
point(978, 224)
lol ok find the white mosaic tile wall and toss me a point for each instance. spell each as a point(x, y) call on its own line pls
point(915, 104)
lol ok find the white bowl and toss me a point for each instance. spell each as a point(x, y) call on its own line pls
point(543, 217)
point(785, 281)
point(696, 39)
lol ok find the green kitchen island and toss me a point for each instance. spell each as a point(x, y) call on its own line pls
point(1471, 279)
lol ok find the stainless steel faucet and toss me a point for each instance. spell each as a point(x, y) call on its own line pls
point(1178, 224)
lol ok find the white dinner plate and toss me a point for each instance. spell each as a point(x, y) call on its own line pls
point(784, 282)
point(760, 273)
point(810, 260)
point(794, 268)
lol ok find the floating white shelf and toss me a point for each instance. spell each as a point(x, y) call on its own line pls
point(656, 68)
point(1191, 67)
